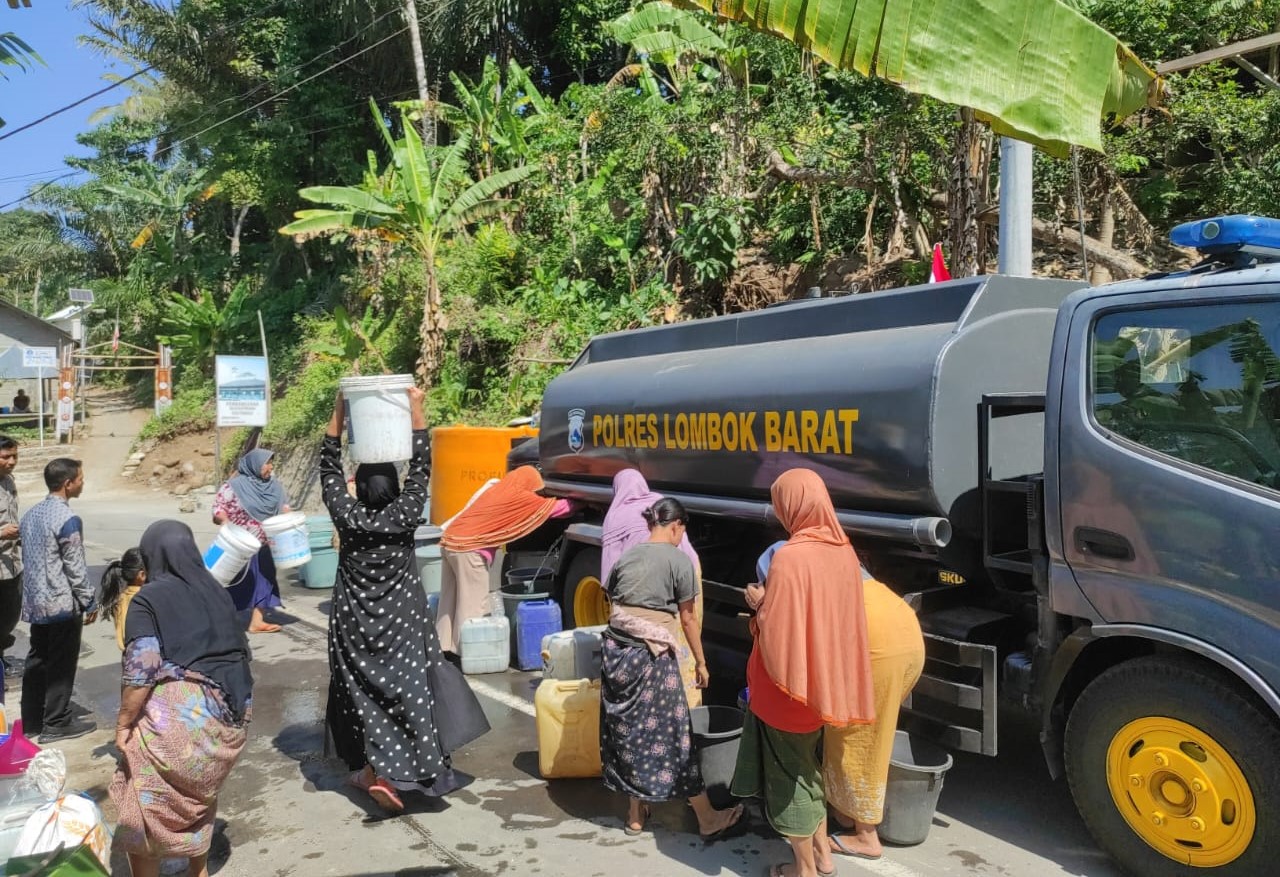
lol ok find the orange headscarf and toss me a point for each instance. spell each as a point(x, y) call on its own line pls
point(505, 512)
point(812, 624)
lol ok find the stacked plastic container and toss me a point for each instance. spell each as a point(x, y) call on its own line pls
point(535, 620)
point(322, 569)
point(486, 642)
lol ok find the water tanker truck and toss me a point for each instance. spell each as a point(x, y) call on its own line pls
point(1077, 489)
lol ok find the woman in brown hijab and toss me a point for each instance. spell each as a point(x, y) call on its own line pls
point(810, 667)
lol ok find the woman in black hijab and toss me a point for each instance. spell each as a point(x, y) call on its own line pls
point(383, 650)
point(184, 705)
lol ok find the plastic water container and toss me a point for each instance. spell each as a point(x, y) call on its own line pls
point(433, 605)
point(287, 536)
point(573, 654)
point(320, 531)
point(717, 731)
point(485, 645)
point(535, 620)
point(379, 425)
point(232, 549)
point(426, 535)
point(321, 571)
point(567, 715)
point(429, 562)
point(916, 771)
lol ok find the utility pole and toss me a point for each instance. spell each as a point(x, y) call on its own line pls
point(420, 69)
point(1016, 163)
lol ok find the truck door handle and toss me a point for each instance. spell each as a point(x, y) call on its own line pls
point(1103, 543)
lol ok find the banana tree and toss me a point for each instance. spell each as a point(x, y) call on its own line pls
point(498, 115)
point(422, 198)
point(1036, 70)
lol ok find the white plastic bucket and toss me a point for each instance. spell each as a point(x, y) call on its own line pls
point(232, 549)
point(287, 536)
point(379, 425)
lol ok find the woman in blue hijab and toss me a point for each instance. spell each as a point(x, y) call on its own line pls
point(251, 496)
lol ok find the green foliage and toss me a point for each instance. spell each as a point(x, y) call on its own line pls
point(200, 328)
point(300, 414)
point(192, 409)
point(709, 240)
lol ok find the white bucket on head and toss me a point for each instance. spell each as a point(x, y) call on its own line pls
point(232, 549)
point(379, 424)
point(288, 538)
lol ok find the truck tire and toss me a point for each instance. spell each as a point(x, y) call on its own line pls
point(584, 600)
point(1175, 771)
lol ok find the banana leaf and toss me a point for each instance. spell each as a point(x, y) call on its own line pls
point(1036, 70)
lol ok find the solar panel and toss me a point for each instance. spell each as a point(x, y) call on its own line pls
point(84, 296)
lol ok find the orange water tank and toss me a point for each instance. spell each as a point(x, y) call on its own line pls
point(463, 458)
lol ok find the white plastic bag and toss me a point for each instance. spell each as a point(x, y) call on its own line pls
point(70, 821)
point(47, 773)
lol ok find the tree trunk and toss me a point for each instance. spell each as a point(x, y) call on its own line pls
point(1106, 236)
point(432, 330)
point(420, 72)
point(35, 295)
point(962, 196)
point(237, 226)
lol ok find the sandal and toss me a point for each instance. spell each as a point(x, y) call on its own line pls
point(842, 850)
point(636, 831)
point(266, 628)
point(384, 794)
point(776, 870)
point(713, 836)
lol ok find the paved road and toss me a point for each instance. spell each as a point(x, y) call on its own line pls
point(286, 811)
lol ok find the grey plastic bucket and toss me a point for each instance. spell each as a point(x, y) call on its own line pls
point(529, 580)
point(916, 772)
point(717, 731)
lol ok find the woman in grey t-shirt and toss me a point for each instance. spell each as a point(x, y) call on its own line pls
point(646, 739)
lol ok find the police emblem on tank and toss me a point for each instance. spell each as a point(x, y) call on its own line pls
point(576, 437)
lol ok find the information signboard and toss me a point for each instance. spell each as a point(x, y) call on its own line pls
point(242, 390)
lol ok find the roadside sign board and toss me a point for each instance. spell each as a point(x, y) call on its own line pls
point(242, 390)
point(39, 357)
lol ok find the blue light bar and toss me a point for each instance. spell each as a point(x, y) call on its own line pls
point(1256, 235)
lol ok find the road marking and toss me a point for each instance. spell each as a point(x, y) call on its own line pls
point(505, 698)
point(883, 867)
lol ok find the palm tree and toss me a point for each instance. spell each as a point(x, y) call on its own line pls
point(422, 198)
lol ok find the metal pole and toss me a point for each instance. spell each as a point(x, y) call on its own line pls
point(262, 331)
point(40, 382)
point(1016, 163)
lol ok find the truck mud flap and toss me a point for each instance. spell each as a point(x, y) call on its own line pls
point(954, 703)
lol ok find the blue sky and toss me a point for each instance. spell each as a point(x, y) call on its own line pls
point(51, 27)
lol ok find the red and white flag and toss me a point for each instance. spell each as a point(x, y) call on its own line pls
point(938, 272)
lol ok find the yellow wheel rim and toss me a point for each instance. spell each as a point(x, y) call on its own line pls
point(1181, 791)
point(590, 605)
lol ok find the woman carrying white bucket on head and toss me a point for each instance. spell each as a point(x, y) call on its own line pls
point(250, 497)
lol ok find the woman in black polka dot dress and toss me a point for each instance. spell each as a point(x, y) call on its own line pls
point(381, 638)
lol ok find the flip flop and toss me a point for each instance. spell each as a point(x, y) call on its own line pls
point(776, 870)
point(385, 796)
point(629, 831)
point(719, 833)
point(266, 628)
point(842, 850)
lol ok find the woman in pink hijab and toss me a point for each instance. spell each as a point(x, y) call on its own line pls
point(625, 526)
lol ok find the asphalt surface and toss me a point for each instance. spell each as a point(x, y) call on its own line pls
point(285, 809)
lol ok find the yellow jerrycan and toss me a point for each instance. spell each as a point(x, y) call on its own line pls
point(568, 718)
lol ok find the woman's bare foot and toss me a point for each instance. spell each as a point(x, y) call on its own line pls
point(258, 623)
point(861, 843)
point(718, 822)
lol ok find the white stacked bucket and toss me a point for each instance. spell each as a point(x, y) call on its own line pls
point(379, 424)
point(230, 553)
point(289, 539)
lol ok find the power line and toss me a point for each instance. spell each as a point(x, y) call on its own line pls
point(134, 75)
point(35, 192)
point(282, 91)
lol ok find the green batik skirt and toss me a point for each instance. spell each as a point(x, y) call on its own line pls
point(785, 771)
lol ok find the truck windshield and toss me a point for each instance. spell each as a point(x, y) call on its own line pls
point(1199, 382)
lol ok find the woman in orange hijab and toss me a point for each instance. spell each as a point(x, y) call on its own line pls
point(810, 667)
point(509, 510)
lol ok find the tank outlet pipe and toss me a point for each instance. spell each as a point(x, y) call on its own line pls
point(927, 532)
